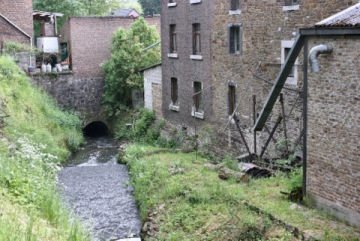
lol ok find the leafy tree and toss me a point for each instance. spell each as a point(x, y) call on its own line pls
point(150, 7)
point(129, 56)
point(131, 4)
point(97, 7)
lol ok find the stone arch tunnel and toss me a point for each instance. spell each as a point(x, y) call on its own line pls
point(96, 129)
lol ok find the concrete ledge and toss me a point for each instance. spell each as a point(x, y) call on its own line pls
point(198, 115)
point(173, 55)
point(196, 57)
point(350, 216)
point(291, 8)
point(171, 5)
point(174, 107)
point(235, 12)
point(195, 1)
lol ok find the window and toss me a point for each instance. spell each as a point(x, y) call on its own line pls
point(197, 95)
point(174, 91)
point(286, 46)
point(234, 5)
point(286, 54)
point(173, 43)
point(231, 99)
point(291, 2)
point(235, 39)
point(196, 39)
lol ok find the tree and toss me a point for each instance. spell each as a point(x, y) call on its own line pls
point(131, 4)
point(150, 7)
point(122, 70)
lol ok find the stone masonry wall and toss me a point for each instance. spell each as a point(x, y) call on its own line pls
point(265, 24)
point(20, 13)
point(333, 178)
point(82, 95)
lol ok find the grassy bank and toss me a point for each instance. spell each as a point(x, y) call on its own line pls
point(180, 199)
point(35, 137)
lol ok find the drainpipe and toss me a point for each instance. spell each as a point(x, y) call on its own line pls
point(315, 52)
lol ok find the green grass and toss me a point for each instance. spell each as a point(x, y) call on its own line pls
point(186, 201)
point(36, 137)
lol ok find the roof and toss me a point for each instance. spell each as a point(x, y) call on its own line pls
point(123, 12)
point(349, 17)
point(151, 67)
point(46, 14)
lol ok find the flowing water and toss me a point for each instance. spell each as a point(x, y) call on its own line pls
point(97, 190)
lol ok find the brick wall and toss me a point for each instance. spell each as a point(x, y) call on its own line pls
point(334, 129)
point(20, 13)
point(89, 41)
point(183, 68)
point(10, 33)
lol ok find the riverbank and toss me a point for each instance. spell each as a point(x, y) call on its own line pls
point(181, 199)
point(35, 138)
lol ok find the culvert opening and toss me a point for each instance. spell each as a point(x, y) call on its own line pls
point(96, 129)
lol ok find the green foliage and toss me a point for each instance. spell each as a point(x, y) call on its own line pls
point(134, 4)
point(194, 204)
point(35, 138)
point(150, 7)
point(295, 179)
point(14, 47)
point(128, 57)
point(141, 126)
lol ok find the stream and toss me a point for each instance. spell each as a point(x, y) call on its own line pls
point(97, 191)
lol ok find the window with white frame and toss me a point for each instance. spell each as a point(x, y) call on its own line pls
point(234, 7)
point(286, 46)
point(197, 109)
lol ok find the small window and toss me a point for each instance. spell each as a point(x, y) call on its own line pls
point(173, 43)
point(196, 39)
point(286, 53)
point(234, 5)
point(231, 99)
point(174, 91)
point(197, 95)
point(235, 39)
point(291, 2)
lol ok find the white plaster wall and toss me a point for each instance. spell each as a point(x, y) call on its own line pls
point(151, 76)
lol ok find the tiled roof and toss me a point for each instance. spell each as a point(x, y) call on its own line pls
point(122, 12)
point(349, 17)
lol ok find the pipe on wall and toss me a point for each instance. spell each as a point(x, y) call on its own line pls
point(314, 54)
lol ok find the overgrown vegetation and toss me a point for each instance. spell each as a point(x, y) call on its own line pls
point(36, 136)
point(14, 47)
point(143, 127)
point(180, 199)
point(129, 54)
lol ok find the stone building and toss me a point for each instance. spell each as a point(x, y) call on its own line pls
point(16, 21)
point(229, 52)
point(221, 58)
point(333, 165)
